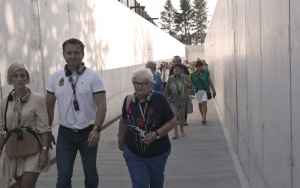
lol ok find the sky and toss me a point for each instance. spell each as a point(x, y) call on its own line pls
point(154, 7)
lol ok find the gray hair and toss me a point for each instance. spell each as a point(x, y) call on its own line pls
point(150, 63)
point(14, 68)
point(142, 73)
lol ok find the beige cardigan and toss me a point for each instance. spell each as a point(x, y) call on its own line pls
point(34, 115)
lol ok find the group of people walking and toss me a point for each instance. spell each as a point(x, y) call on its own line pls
point(157, 106)
point(178, 82)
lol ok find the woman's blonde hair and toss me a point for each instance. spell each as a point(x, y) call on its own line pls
point(14, 68)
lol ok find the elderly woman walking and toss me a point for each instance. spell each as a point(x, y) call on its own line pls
point(176, 92)
point(143, 132)
point(157, 82)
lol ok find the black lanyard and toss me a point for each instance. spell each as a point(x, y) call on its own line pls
point(73, 85)
point(75, 102)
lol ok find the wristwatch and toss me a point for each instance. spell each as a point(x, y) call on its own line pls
point(99, 129)
point(157, 135)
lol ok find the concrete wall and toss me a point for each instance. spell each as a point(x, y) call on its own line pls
point(117, 40)
point(194, 51)
point(253, 47)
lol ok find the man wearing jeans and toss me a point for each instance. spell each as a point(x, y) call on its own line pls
point(81, 97)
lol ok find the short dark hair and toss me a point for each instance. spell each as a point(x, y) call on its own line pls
point(177, 56)
point(177, 65)
point(73, 41)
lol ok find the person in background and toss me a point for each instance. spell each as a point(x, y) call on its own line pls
point(81, 97)
point(176, 93)
point(161, 67)
point(143, 132)
point(177, 60)
point(201, 80)
point(205, 67)
point(165, 74)
point(157, 82)
point(191, 70)
point(25, 109)
point(186, 62)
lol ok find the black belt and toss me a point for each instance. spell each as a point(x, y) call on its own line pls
point(89, 128)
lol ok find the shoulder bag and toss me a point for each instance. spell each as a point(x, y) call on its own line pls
point(189, 105)
point(20, 142)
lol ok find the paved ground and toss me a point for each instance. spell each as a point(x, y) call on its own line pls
point(202, 159)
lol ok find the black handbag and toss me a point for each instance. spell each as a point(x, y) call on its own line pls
point(208, 95)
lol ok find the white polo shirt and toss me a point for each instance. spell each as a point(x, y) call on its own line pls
point(88, 84)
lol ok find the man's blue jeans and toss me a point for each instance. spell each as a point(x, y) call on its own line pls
point(145, 171)
point(68, 144)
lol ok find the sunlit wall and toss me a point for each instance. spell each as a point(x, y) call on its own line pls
point(253, 50)
point(117, 42)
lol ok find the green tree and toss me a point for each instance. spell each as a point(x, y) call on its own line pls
point(184, 21)
point(167, 18)
point(199, 20)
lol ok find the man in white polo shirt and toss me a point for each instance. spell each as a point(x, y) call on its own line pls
point(81, 98)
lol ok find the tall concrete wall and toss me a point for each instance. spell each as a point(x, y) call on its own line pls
point(117, 40)
point(253, 49)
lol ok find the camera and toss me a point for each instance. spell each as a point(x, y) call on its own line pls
point(76, 105)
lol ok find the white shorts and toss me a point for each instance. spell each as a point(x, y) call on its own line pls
point(201, 96)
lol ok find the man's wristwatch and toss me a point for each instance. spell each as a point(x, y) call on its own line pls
point(157, 135)
point(99, 129)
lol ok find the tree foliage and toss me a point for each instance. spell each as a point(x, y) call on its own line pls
point(184, 21)
point(188, 24)
point(167, 18)
point(200, 20)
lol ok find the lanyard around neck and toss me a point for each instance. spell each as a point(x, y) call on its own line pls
point(143, 112)
point(73, 85)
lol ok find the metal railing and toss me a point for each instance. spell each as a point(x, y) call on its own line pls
point(138, 9)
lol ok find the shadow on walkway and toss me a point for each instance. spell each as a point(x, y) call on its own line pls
point(202, 159)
